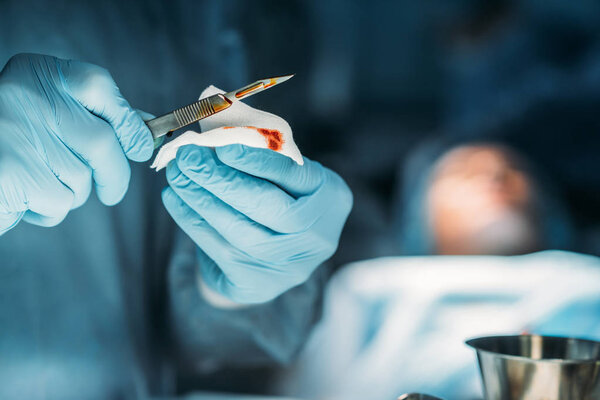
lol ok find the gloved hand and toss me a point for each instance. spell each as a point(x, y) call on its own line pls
point(63, 124)
point(262, 222)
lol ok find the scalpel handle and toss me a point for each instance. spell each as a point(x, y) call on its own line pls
point(187, 115)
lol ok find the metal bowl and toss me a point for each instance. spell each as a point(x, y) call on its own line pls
point(417, 396)
point(531, 367)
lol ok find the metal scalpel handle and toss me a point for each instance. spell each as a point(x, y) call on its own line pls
point(165, 124)
point(187, 115)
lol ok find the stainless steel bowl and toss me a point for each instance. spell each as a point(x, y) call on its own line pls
point(417, 396)
point(530, 367)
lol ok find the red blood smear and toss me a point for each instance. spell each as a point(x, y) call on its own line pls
point(273, 136)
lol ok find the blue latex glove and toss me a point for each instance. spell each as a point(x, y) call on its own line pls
point(262, 222)
point(63, 124)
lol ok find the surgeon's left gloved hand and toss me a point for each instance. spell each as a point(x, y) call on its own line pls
point(64, 128)
point(262, 222)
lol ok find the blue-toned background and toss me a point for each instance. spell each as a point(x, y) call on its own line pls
point(378, 79)
point(374, 81)
point(377, 82)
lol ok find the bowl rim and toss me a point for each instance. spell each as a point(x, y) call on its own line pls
point(469, 342)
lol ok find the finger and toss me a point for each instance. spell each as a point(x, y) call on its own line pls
point(146, 116)
point(93, 140)
point(34, 187)
point(42, 220)
point(229, 265)
point(256, 198)
point(28, 184)
point(77, 176)
point(297, 180)
point(49, 202)
point(94, 88)
point(200, 231)
point(68, 168)
point(235, 227)
point(253, 239)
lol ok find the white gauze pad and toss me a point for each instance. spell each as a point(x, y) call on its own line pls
point(239, 124)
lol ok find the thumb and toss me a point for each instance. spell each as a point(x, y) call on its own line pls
point(94, 88)
point(146, 116)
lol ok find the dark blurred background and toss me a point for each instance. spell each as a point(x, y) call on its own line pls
point(376, 83)
point(377, 79)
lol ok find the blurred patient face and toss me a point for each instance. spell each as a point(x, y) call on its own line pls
point(480, 202)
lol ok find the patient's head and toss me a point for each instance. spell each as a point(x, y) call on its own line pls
point(480, 200)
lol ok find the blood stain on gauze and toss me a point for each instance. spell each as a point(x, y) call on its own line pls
point(239, 124)
point(274, 137)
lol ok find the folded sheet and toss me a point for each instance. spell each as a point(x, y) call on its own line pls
point(241, 124)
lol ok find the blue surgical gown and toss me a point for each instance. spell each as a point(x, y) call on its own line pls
point(106, 304)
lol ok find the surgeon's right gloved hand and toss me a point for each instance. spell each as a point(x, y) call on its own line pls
point(262, 223)
point(63, 125)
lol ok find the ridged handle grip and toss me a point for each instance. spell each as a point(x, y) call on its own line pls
point(187, 115)
point(194, 112)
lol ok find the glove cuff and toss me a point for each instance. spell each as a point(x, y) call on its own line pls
point(216, 299)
